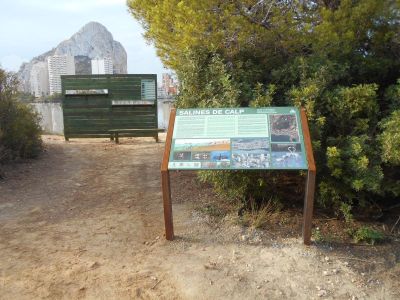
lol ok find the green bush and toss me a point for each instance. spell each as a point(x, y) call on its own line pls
point(19, 124)
point(338, 59)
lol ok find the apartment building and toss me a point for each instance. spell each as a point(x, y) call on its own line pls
point(59, 65)
point(39, 80)
point(102, 66)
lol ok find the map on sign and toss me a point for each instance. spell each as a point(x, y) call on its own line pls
point(237, 138)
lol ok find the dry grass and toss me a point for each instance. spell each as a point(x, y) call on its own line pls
point(260, 216)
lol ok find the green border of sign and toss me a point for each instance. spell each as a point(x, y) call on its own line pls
point(202, 113)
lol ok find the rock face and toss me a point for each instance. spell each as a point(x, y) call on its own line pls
point(83, 65)
point(92, 41)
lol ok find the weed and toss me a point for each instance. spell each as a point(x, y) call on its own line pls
point(319, 237)
point(212, 210)
point(368, 235)
point(258, 217)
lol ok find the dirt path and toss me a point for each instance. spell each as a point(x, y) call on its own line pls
point(85, 222)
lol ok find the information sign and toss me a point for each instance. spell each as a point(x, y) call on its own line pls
point(238, 138)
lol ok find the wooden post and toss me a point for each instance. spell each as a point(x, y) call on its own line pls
point(310, 184)
point(116, 136)
point(165, 180)
point(167, 203)
point(308, 207)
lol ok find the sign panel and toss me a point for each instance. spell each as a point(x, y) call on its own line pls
point(87, 92)
point(148, 89)
point(237, 138)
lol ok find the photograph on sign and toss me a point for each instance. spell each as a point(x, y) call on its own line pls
point(251, 153)
point(201, 144)
point(245, 138)
point(201, 156)
point(284, 128)
point(287, 156)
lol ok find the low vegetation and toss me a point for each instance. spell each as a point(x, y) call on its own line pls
point(338, 59)
point(19, 124)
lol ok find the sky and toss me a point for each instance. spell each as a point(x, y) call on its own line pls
point(29, 28)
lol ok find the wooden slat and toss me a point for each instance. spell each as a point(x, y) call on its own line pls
point(136, 130)
point(86, 110)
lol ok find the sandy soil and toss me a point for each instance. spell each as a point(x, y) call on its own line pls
point(85, 222)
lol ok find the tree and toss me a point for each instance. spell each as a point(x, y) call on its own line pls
point(338, 58)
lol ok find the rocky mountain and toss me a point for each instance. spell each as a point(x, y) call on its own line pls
point(93, 41)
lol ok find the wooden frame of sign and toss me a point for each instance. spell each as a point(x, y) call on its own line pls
point(309, 188)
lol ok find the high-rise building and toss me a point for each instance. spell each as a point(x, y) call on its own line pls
point(169, 84)
point(39, 79)
point(102, 66)
point(59, 65)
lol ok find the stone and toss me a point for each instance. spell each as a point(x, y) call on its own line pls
point(322, 293)
point(92, 41)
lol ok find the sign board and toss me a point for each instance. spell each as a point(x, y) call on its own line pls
point(238, 138)
point(148, 89)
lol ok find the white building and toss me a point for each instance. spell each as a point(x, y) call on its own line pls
point(59, 65)
point(39, 80)
point(102, 66)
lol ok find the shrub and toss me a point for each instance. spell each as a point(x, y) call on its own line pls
point(19, 124)
point(338, 59)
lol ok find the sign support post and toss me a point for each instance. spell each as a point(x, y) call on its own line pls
point(310, 183)
point(165, 180)
point(309, 188)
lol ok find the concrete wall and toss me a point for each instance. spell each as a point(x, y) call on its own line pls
point(52, 117)
point(164, 108)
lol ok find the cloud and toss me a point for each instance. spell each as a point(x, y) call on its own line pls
point(75, 6)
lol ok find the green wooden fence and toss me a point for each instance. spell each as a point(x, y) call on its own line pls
point(95, 104)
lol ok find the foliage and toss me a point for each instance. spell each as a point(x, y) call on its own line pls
point(368, 235)
point(19, 125)
point(390, 138)
point(205, 82)
point(338, 59)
